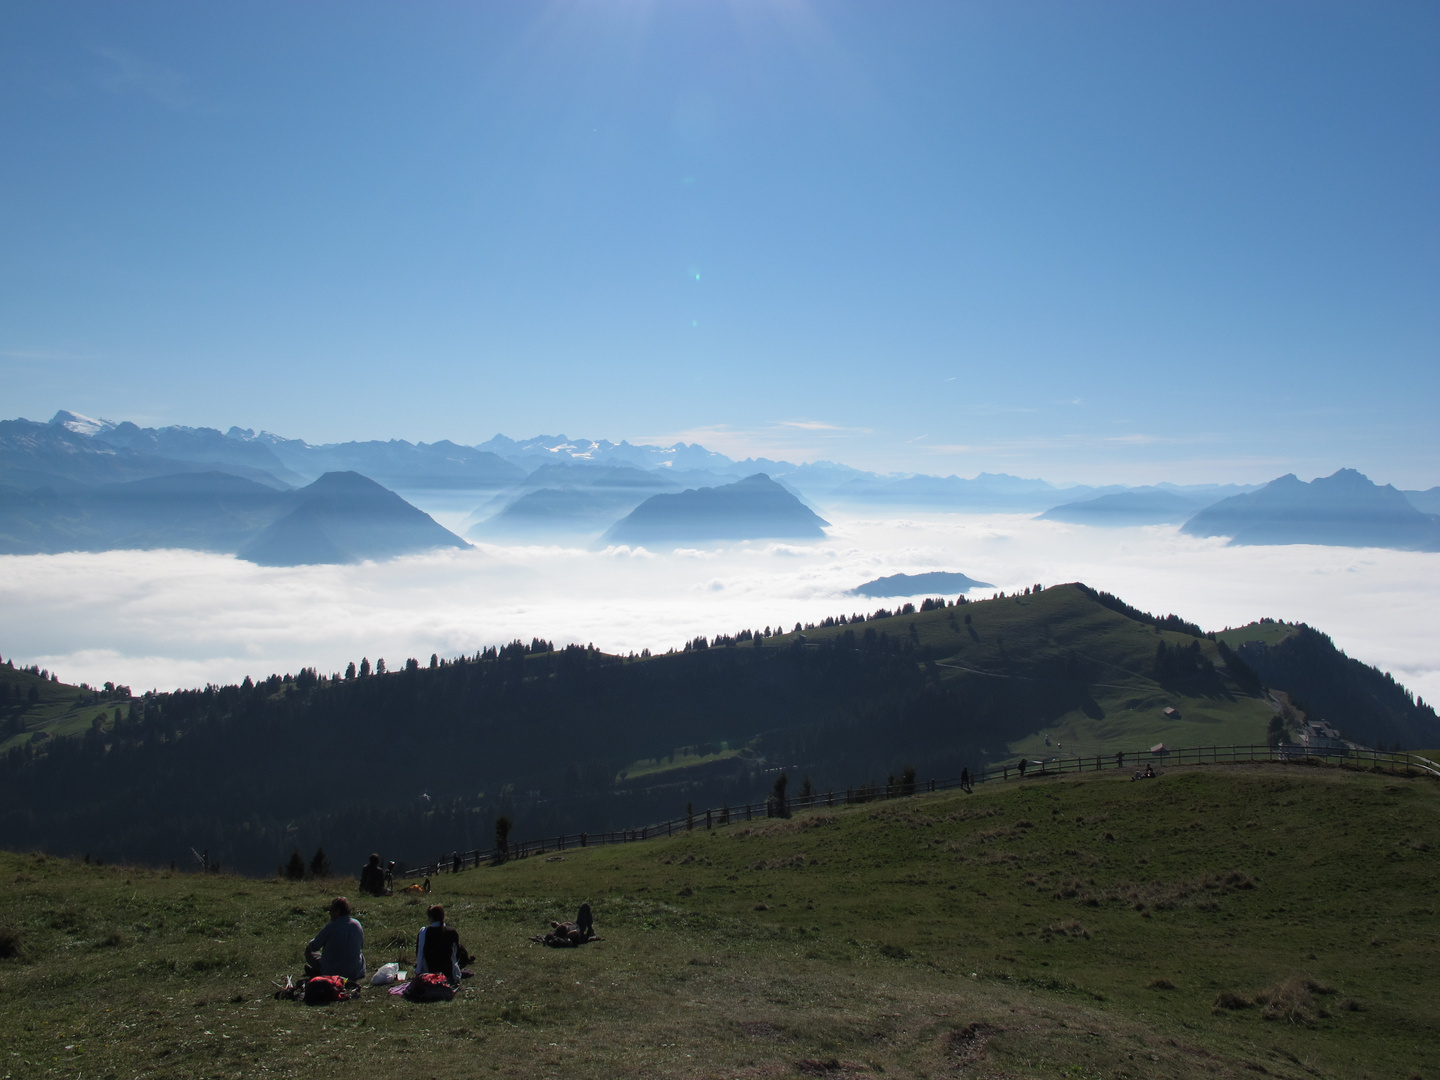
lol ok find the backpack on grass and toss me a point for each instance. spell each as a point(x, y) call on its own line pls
point(429, 987)
point(325, 990)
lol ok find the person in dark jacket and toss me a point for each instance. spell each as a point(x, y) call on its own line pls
point(372, 877)
point(338, 949)
point(438, 949)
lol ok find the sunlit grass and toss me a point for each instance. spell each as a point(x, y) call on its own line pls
point(1093, 925)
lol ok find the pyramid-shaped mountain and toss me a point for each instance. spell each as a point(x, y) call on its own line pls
point(756, 508)
point(345, 517)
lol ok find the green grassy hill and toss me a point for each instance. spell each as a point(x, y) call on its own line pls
point(573, 740)
point(32, 707)
point(1219, 921)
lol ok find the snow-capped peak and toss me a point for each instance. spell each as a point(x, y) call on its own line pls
point(81, 425)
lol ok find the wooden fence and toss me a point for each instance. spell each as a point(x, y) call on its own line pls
point(1131, 761)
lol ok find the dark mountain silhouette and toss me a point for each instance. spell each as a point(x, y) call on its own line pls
point(346, 517)
point(1341, 510)
point(207, 511)
point(935, 583)
point(339, 518)
point(751, 509)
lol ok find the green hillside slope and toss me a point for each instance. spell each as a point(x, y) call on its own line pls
point(1219, 921)
point(575, 740)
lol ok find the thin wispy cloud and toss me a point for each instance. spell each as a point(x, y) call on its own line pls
point(126, 72)
point(46, 355)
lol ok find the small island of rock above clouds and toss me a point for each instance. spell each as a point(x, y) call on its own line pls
point(935, 583)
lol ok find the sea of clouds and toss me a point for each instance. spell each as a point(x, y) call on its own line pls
point(166, 619)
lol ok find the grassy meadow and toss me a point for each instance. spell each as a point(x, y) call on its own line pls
point(1271, 920)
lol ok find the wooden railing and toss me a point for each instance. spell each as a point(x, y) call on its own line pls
point(1132, 761)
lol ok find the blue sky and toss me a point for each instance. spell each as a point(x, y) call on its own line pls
point(1100, 241)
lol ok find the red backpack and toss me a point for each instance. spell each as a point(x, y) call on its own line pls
point(429, 987)
point(325, 989)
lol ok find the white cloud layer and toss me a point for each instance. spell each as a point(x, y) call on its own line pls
point(176, 618)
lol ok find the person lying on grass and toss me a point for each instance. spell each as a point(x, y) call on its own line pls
point(338, 949)
point(438, 950)
point(566, 935)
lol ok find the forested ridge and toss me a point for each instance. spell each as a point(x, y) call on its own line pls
point(421, 760)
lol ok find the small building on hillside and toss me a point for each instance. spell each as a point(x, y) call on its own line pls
point(1171, 713)
point(1317, 735)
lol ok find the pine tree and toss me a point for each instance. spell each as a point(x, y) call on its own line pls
point(319, 864)
point(295, 868)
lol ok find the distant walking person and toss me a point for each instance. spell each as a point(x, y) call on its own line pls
point(1120, 759)
point(338, 949)
point(965, 781)
point(1022, 768)
point(372, 878)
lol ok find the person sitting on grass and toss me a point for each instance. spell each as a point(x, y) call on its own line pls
point(438, 950)
point(372, 878)
point(338, 949)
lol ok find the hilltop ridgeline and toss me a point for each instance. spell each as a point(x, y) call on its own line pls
point(573, 739)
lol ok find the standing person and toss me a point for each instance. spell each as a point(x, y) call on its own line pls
point(454, 862)
point(372, 878)
point(965, 780)
point(1120, 759)
point(438, 949)
point(1023, 763)
point(585, 922)
point(338, 949)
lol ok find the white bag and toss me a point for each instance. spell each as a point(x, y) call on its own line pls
point(387, 975)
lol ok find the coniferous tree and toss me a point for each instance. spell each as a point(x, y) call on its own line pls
point(503, 825)
point(319, 864)
point(778, 805)
point(295, 868)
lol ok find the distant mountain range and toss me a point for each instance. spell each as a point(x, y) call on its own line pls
point(751, 509)
point(568, 489)
point(1142, 506)
point(1345, 509)
point(341, 517)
